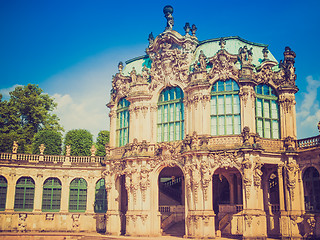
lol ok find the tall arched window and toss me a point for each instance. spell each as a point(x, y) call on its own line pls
point(123, 122)
point(3, 192)
point(225, 108)
point(311, 183)
point(170, 115)
point(78, 195)
point(100, 205)
point(24, 195)
point(51, 197)
point(267, 112)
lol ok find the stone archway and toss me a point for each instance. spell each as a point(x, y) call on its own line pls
point(171, 200)
point(226, 197)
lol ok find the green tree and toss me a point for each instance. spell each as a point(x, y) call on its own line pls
point(80, 141)
point(26, 112)
point(51, 139)
point(102, 139)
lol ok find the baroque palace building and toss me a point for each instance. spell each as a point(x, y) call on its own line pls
point(202, 141)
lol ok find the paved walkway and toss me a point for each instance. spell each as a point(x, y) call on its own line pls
point(77, 236)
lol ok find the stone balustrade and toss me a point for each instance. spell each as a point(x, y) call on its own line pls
point(49, 158)
point(309, 142)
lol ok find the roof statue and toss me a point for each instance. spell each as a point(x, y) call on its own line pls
point(168, 10)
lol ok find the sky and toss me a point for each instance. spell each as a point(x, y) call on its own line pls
point(71, 48)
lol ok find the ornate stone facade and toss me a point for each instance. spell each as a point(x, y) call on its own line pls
point(218, 176)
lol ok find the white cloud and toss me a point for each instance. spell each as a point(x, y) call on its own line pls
point(5, 91)
point(80, 114)
point(308, 113)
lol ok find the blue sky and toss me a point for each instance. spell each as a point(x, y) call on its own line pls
point(72, 48)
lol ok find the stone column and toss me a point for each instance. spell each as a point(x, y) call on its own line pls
point(288, 112)
point(113, 126)
point(90, 195)
point(65, 194)
point(10, 194)
point(200, 217)
point(254, 214)
point(198, 106)
point(247, 104)
point(290, 221)
point(38, 193)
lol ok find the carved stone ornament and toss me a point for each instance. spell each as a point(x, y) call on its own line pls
point(120, 85)
point(192, 172)
point(245, 55)
point(168, 10)
point(312, 224)
point(265, 75)
point(93, 151)
point(136, 148)
point(166, 151)
point(246, 136)
point(223, 67)
point(225, 159)
point(257, 173)
point(289, 144)
point(22, 222)
point(42, 148)
point(113, 169)
point(287, 102)
point(15, 147)
point(291, 169)
point(287, 73)
point(246, 169)
point(75, 222)
point(246, 92)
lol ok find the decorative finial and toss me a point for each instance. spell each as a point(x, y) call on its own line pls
point(168, 10)
point(120, 67)
point(194, 29)
point(289, 55)
point(265, 52)
point(222, 43)
point(151, 39)
point(187, 28)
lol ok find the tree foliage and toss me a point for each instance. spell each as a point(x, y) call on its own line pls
point(102, 139)
point(51, 139)
point(26, 112)
point(80, 141)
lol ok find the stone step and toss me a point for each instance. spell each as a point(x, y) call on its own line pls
point(177, 230)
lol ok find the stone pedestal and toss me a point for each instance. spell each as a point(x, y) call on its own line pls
point(113, 223)
point(200, 224)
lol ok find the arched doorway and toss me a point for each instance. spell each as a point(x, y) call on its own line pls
point(172, 201)
point(272, 201)
point(311, 184)
point(227, 197)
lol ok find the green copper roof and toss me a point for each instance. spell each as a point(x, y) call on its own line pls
point(210, 48)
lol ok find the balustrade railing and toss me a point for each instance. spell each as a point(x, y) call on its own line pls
point(49, 158)
point(309, 142)
point(230, 208)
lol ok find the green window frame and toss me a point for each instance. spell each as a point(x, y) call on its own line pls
point(123, 119)
point(267, 112)
point(78, 195)
point(51, 196)
point(225, 108)
point(24, 195)
point(100, 204)
point(3, 192)
point(170, 126)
